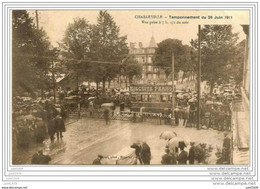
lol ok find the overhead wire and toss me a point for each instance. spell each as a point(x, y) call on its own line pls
point(79, 60)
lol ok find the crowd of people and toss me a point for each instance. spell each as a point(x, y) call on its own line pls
point(35, 120)
point(174, 157)
point(179, 156)
point(215, 111)
point(94, 98)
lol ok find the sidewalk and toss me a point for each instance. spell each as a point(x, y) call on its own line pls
point(240, 122)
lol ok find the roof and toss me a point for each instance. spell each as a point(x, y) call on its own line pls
point(152, 42)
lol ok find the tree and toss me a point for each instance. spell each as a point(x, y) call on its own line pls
point(75, 48)
point(217, 51)
point(182, 58)
point(131, 68)
point(235, 68)
point(30, 48)
point(107, 46)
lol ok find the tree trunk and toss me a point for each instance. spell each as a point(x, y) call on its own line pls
point(211, 87)
point(189, 75)
point(97, 84)
point(183, 75)
point(88, 84)
point(42, 93)
point(109, 82)
point(119, 81)
point(77, 82)
point(130, 80)
point(126, 85)
point(54, 87)
point(104, 85)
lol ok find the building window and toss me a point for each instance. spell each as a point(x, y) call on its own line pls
point(149, 59)
point(149, 68)
point(143, 59)
point(154, 76)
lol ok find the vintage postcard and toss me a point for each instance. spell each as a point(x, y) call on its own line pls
point(166, 89)
point(130, 87)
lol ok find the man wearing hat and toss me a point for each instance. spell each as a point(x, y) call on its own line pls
point(226, 149)
point(98, 160)
point(191, 153)
point(40, 158)
point(166, 158)
point(183, 156)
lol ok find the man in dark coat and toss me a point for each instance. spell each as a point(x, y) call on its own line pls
point(59, 126)
point(226, 149)
point(183, 157)
point(39, 158)
point(51, 113)
point(146, 153)
point(192, 114)
point(166, 158)
point(173, 158)
point(106, 116)
point(137, 148)
point(97, 161)
point(176, 116)
point(51, 129)
point(122, 106)
point(191, 154)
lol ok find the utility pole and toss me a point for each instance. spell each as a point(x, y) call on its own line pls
point(199, 78)
point(173, 91)
point(120, 71)
point(37, 25)
point(37, 20)
point(54, 82)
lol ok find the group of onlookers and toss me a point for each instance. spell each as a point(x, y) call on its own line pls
point(213, 114)
point(34, 121)
point(174, 157)
point(182, 157)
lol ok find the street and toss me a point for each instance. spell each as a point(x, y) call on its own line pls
point(84, 139)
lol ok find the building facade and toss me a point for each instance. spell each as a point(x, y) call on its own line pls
point(145, 56)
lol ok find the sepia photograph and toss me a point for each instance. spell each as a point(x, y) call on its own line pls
point(130, 87)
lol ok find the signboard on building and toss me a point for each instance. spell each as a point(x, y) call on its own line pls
point(151, 89)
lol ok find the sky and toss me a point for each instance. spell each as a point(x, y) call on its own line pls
point(54, 22)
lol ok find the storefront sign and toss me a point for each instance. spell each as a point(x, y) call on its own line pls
point(151, 89)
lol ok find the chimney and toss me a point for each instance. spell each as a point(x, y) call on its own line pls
point(132, 45)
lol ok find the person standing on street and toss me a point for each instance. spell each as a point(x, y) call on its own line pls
point(97, 161)
point(106, 116)
point(91, 108)
point(176, 116)
point(166, 158)
point(173, 155)
point(226, 149)
point(191, 153)
point(39, 158)
point(183, 156)
point(146, 153)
